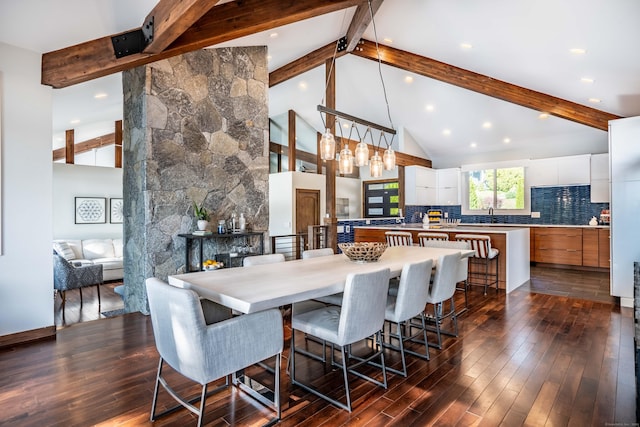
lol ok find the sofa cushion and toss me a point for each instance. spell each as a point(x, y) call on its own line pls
point(109, 263)
point(64, 250)
point(117, 248)
point(97, 248)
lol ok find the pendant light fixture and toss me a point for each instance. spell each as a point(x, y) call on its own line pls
point(362, 150)
point(375, 165)
point(327, 146)
point(345, 160)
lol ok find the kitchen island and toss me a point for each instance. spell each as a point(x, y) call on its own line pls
point(512, 242)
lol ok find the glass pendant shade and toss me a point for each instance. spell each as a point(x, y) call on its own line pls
point(375, 166)
point(389, 159)
point(362, 154)
point(327, 146)
point(345, 161)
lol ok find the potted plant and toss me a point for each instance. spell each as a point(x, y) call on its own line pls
point(202, 215)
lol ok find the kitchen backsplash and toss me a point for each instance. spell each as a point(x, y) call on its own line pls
point(569, 205)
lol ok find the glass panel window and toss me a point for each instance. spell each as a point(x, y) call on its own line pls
point(500, 188)
point(381, 199)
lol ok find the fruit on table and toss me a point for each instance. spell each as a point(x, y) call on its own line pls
point(212, 263)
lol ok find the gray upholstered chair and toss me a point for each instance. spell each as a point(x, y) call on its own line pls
point(410, 302)
point(201, 341)
point(262, 259)
point(314, 253)
point(360, 316)
point(463, 266)
point(66, 276)
point(441, 290)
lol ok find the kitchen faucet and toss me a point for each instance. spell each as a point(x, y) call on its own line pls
point(492, 219)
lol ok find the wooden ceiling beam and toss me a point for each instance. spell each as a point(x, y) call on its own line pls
point(228, 21)
point(360, 22)
point(169, 19)
point(83, 147)
point(486, 85)
point(305, 63)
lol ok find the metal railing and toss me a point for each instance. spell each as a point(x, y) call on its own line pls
point(292, 245)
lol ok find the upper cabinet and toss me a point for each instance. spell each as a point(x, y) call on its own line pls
point(425, 186)
point(570, 170)
point(600, 178)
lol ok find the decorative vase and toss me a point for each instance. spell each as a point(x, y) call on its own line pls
point(202, 224)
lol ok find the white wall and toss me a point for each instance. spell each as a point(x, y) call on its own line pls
point(26, 266)
point(71, 181)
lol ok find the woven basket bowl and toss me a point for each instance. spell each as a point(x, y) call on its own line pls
point(363, 251)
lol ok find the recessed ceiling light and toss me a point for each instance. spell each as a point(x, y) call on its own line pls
point(302, 85)
point(429, 107)
point(268, 57)
point(466, 46)
point(75, 121)
point(506, 140)
point(100, 95)
point(408, 79)
point(446, 132)
point(273, 35)
point(487, 125)
point(473, 145)
point(543, 116)
point(578, 51)
point(345, 125)
point(595, 100)
point(586, 80)
point(387, 40)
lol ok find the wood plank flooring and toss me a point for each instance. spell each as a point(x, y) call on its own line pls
point(521, 359)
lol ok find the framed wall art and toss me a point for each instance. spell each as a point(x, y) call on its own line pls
point(115, 211)
point(91, 210)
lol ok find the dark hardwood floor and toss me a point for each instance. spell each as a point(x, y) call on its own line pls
point(526, 358)
point(110, 301)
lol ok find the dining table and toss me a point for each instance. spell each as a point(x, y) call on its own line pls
point(260, 287)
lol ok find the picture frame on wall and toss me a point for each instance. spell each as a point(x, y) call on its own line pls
point(91, 210)
point(115, 210)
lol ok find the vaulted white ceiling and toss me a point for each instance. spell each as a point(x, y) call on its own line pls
point(524, 43)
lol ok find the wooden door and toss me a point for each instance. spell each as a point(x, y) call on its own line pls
point(307, 213)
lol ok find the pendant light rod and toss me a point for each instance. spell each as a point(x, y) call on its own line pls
point(351, 118)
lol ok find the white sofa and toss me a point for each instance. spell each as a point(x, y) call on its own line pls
point(107, 252)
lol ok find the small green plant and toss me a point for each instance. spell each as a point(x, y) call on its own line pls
point(200, 212)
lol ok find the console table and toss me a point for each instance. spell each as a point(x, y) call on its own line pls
point(225, 257)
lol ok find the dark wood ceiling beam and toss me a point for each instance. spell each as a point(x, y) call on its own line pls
point(83, 147)
point(486, 85)
point(360, 22)
point(228, 21)
point(303, 64)
point(169, 19)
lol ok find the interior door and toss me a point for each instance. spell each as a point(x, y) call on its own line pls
point(307, 213)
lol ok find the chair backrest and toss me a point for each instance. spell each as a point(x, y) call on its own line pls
point(314, 253)
point(444, 282)
point(399, 238)
point(423, 238)
point(262, 259)
point(363, 306)
point(463, 267)
point(480, 243)
point(413, 290)
point(178, 326)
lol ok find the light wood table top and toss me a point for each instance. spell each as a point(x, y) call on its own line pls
point(257, 288)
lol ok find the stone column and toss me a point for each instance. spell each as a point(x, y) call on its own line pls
point(196, 129)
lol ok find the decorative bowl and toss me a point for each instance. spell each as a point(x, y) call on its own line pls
point(363, 251)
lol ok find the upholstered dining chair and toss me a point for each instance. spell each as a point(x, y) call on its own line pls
point(66, 276)
point(442, 289)
point(203, 343)
point(399, 238)
point(463, 266)
point(262, 259)
point(484, 256)
point(410, 302)
point(360, 316)
point(314, 253)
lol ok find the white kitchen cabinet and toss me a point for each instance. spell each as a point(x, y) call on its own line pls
point(420, 186)
point(624, 157)
point(448, 186)
point(570, 170)
point(600, 178)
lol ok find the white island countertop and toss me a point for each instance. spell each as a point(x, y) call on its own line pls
point(463, 228)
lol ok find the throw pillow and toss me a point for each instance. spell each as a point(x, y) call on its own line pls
point(64, 250)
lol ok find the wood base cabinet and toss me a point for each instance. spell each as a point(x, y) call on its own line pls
point(559, 246)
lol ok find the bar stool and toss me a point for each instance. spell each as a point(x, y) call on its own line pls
point(483, 257)
point(425, 237)
point(399, 238)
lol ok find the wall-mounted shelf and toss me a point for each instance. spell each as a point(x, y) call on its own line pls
point(229, 261)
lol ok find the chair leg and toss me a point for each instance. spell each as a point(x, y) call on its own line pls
point(203, 399)
point(98, 287)
point(346, 377)
point(155, 392)
point(80, 289)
